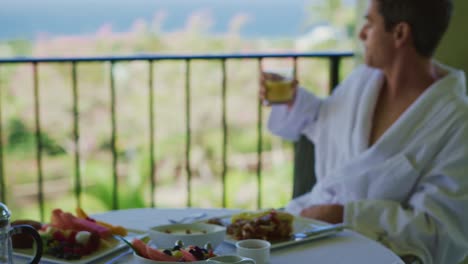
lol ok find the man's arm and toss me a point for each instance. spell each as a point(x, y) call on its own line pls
point(331, 213)
point(289, 122)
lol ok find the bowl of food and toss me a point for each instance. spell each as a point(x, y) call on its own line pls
point(147, 254)
point(196, 234)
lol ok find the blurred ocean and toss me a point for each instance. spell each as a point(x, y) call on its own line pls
point(25, 19)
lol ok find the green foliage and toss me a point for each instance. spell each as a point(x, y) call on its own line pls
point(22, 141)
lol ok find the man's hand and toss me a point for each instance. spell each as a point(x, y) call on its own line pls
point(331, 213)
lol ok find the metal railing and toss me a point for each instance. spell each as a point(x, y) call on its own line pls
point(334, 59)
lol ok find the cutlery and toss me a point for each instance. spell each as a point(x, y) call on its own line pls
point(189, 218)
point(119, 258)
point(320, 231)
point(129, 244)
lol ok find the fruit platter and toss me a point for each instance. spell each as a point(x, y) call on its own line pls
point(71, 238)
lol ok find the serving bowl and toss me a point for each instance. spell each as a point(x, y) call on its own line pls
point(195, 234)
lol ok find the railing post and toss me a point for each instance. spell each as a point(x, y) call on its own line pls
point(259, 141)
point(40, 187)
point(334, 71)
point(151, 134)
point(188, 168)
point(76, 134)
point(115, 178)
point(225, 130)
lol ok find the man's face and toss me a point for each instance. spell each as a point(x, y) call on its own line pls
point(378, 43)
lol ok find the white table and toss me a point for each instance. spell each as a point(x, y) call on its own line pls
point(347, 247)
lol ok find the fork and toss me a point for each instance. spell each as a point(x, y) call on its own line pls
point(189, 218)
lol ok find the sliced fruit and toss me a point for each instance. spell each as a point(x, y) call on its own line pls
point(187, 255)
point(83, 224)
point(114, 229)
point(56, 219)
point(155, 254)
point(81, 213)
point(140, 247)
point(67, 220)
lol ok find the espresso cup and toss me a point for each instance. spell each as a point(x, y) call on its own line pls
point(256, 249)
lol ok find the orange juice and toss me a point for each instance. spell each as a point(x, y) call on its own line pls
point(279, 91)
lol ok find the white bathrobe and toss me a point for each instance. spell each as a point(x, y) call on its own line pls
point(410, 189)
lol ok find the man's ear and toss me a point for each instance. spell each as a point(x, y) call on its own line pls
point(402, 34)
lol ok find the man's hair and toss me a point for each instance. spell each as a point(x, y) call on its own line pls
point(428, 20)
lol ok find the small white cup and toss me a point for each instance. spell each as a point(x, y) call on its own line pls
point(230, 259)
point(256, 249)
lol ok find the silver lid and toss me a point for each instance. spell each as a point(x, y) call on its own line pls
point(4, 215)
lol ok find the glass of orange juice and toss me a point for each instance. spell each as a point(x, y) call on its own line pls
point(279, 86)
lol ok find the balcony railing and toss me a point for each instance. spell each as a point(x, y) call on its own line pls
point(334, 59)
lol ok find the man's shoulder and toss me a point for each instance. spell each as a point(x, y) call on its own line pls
point(453, 80)
point(361, 77)
point(365, 71)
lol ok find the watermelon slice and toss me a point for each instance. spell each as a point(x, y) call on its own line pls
point(140, 247)
point(61, 220)
point(83, 224)
point(157, 255)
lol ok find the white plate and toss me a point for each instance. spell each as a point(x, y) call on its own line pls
point(117, 245)
point(300, 224)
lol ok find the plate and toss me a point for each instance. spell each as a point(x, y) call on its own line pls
point(300, 224)
point(115, 246)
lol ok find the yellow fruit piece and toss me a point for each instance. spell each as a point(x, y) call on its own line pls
point(80, 213)
point(115, 230)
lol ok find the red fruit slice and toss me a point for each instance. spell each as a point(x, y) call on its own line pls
point(93, 242)
point(56, 219)
point(67, 220)
point(71, 237)
point(83, 224)
point(140, 247)
point(187, 255)
point(59, 236)
point(155, 254)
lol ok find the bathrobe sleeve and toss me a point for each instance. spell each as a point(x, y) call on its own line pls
point(433, 224)
point(304, 116)
point(290, 123)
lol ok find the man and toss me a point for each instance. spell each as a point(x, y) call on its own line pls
point(392, 141)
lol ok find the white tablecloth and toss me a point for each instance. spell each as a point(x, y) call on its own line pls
point(347, 247)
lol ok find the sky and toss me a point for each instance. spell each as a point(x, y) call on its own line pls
point(25, 18)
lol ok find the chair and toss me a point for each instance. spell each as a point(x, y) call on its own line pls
point(304, 166)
